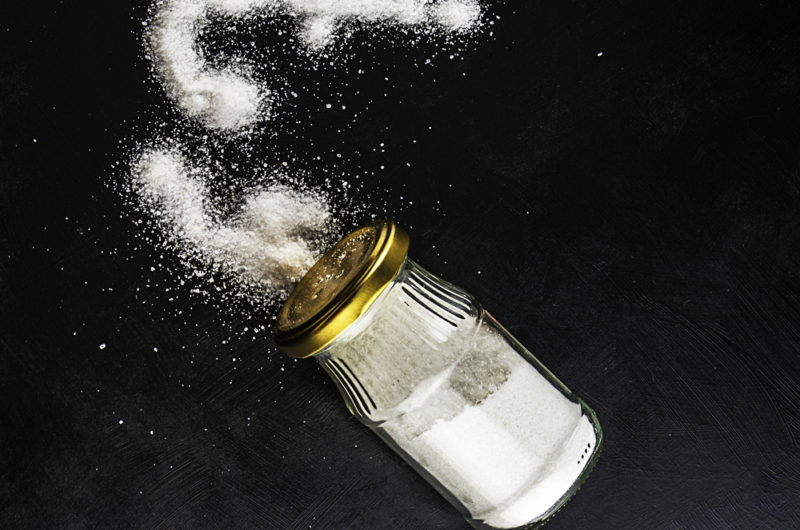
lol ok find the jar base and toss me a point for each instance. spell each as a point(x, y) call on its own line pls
point(535, 505)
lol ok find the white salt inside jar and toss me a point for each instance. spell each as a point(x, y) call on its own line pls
point(438, 379)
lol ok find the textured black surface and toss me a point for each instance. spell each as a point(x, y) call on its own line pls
point(632, 217)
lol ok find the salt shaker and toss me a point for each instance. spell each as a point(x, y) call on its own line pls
point(419, 362)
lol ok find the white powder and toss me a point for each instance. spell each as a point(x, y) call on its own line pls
point(231, 99)
point(508, 458)
point(276, 233)
point(463, 404)
point(456, 15)
point(225, 99)
point(513, 455)
point(269, 241)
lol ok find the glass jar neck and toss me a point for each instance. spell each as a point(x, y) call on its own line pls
point(413, 331)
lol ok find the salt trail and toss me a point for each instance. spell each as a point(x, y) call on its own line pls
point(225, 99)
point(230, 98)
point(270, 240)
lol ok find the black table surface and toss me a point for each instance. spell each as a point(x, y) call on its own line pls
point(618, 183)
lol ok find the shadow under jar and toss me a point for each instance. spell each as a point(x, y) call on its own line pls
point(419, 362)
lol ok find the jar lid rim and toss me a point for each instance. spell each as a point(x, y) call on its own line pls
point(340, 287)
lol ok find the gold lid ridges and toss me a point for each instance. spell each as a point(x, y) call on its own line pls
point(340, 287)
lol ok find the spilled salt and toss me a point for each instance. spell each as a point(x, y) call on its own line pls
point(223, 99)
point(276, 232)
point(230, 98)
point(269, 240)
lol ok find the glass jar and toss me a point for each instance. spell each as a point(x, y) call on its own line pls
point(419, 362)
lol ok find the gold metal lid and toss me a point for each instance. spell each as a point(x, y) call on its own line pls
point(340, 287)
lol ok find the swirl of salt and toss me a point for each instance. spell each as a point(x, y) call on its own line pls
point(272, 240)
point(229, 99)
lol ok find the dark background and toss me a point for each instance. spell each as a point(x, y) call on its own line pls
point(632, 217)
